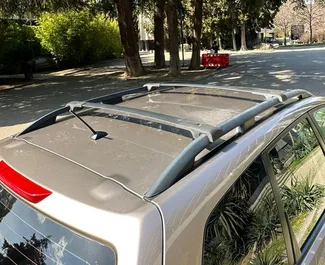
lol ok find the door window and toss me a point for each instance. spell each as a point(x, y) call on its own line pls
point(319, 116)
point(244, 227)
point(299, 166)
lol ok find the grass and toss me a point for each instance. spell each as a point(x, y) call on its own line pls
point(299, 162)
point(277, 245)
point(298, 221)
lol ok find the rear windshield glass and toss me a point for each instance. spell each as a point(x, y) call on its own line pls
point(28, 237)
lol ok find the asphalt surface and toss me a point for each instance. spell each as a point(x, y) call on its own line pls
point(288, 68)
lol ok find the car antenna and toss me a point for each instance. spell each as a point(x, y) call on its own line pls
point(96, 135)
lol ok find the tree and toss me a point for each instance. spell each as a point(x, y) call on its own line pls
point(233, 11)
point(34, 249)
point(129, 38)
point(159, 18)
point(27, 8)
point(257, 13)
point(173, 36)
point(285, 18)
point(197, 23)
point(310, 13)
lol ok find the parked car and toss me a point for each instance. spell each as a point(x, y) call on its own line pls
point(168, 174)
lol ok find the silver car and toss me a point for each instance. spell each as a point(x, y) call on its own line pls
point(168, 174)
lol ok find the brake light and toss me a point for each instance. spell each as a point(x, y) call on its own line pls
point(21, 185)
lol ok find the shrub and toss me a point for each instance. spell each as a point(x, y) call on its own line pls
point(265, 225)
point(302, 196)
point(105, 42)
point(267, 258)
point(18, 46)
point(76, 37)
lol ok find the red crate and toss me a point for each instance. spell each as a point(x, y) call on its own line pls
point(215, 60)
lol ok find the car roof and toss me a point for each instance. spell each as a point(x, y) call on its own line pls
point(132, 154)
point(144, 155)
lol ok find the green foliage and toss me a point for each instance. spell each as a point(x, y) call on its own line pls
point(76, 37)
point(18, 45)
point(265, 225)
point(302, 196)
point(228, 220)
point(267, 258)
point(105, 38)
point(32, 8)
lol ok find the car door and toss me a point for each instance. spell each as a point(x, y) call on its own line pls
point(296, 161)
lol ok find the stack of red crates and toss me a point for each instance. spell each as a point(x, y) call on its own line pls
point(215, 60)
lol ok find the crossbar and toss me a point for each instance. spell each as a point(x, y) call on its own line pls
point(280, 96)
point(196, 129)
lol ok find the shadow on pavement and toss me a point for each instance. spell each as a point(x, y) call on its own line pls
point(293, 68)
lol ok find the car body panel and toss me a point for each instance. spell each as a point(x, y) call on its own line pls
point(90, 204)
point(187, 205)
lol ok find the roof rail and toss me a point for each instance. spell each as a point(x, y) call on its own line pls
point(243, 121)
point(151, 86)
point(112, 98)
point(50, 118)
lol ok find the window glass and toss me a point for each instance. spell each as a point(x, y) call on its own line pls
point(319, 116)
point(29, 237)
point(244, 228)
point(299, 166)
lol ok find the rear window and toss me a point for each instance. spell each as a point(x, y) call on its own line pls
point(28, 237)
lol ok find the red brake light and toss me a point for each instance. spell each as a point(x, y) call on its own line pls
point(21, 185)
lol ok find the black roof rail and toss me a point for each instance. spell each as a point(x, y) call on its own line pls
point(50, 118)
point(243, 121)
point(112, 98)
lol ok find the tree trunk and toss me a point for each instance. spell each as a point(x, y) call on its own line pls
point(159, 17)
point(175, 67)
point(243, 37)
point(197, 23)
point(129, 38)
point(285, 36)
point(220, 43)
point(234, 45)
point(311, 22)
point(310, 33)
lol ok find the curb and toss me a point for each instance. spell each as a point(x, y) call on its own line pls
point(215, 71)
point(195, 79)
point(36, 81)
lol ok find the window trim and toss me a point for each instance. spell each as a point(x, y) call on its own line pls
point(299, 254)
point(289, 243)
point(318, 131)
point(321, 221)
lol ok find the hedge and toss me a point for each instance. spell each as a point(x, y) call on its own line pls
point(18, 46)
point(77, 37)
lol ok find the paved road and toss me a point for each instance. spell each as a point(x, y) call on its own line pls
point(280, 69)
point(289, 68)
